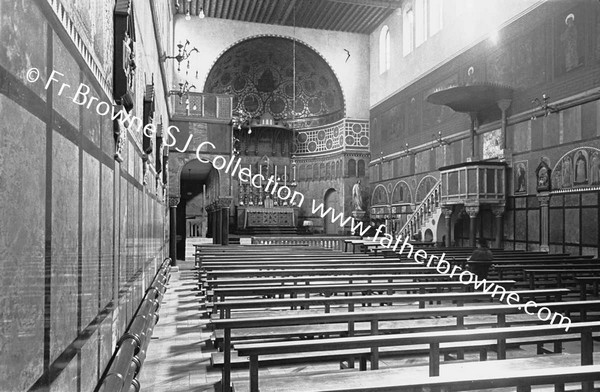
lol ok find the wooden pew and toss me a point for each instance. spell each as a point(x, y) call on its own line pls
point(331, 289)
point(560, 273)
point(433, 339)
point(584, 281)
point(375, 318)
point(516, 374)
point(224, 308)
point(309, 279)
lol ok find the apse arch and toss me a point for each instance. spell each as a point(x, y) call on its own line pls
point(262, 82)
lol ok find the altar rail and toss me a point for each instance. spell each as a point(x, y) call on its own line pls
point(334, 243)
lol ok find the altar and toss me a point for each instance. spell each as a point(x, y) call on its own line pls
point(269, 217)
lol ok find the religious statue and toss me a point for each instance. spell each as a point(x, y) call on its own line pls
point(580, 168)
point(521, 178)
point(569, 39)
point(595, 169)
point(567, 181)
point(543, 176)
point(357, 202)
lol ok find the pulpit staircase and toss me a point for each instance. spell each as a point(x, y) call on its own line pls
point(425, 216)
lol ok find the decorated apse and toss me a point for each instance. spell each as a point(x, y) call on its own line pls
point(293, 102)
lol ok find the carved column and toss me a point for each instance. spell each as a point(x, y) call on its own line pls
point(498, 211)
point(472, 211)
point(209, 222)
point(544, 199)
point(224, 204)
point(173, 202)
point(447, 211)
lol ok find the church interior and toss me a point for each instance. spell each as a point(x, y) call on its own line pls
point(300, 195)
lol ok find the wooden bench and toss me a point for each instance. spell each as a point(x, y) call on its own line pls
point(514, 373)
point(559, 273)
point(374, 319)
point(584, 281)
point(331, 289)
point(309, 279)
point(433, 339)
point(224, 308)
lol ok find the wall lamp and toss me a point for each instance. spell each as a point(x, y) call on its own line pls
point(182, 55)
point(184, 89)
point(406, 149)
point(543, 105)
point(440, 141)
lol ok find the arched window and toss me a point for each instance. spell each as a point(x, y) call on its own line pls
point(351, 168)
point(361, 168)
point(420, 21)
point(384, 49)
point(408, 21)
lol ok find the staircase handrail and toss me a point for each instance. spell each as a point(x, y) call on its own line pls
point(420, 206)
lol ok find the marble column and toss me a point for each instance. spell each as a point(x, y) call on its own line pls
point(544, 199)
point(209, 220)
point(218, 223)
point(504, 104)
point(472, 211)
point(173, 202)
point(498, 211)
point(447, 211)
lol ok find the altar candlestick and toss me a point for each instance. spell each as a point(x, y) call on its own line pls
point(260, 174)
point(275, 173)
point(284, 175)
point(203, 197)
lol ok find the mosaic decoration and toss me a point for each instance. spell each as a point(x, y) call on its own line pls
point(542, 175)
point(401, 193)
point(380, 196)
point(425, 185)
point(343, 134)
point(491, 144)
point(577, 168)
point(259, 72)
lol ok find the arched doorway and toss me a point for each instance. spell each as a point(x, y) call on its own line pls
point(331, 200)
point(199, 184)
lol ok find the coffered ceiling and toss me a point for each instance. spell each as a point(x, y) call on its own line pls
point(356, 16)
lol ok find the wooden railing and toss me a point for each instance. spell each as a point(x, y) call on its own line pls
point(126, 362)
point(424, 210)
point(334, 243)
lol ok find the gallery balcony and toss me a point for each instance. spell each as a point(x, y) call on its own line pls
point(205, 107)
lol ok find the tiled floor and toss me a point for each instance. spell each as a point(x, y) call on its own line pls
point(178, 357)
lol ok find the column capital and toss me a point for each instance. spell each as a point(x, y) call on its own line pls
point(544, 199)
point(498, 210)
point(472, 211)
point(447, 211)
point(173, 201)
point(504, 104)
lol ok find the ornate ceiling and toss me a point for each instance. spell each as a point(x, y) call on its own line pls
point(356, 16)
point(259, 72)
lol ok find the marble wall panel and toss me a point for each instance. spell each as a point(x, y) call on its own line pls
point(522, 137)
point(572, 226)
point(24, 29)
point(90, 251)
point(65, 248)
point(533, 225)
point(589, 227)
point(91, 122)
point(571, 124)
point(89, 363)
point(67, 380)
point(22, 191)
point(68, 67)
point(123, 213)
point(106, 236)
point(106, 341)
point(556, 226)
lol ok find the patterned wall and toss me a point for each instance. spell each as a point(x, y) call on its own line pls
point(259, 72)
point(343, 134)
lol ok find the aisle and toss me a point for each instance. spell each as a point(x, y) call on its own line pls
point(178, 357)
